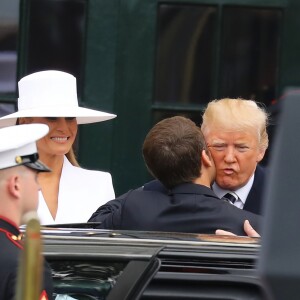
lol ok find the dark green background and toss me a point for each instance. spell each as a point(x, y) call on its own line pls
point(119, 71)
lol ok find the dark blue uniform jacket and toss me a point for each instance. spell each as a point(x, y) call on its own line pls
point(10, 248)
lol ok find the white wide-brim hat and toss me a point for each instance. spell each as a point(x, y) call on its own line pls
point(51, 94)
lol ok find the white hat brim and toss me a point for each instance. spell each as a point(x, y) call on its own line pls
point(83, 115)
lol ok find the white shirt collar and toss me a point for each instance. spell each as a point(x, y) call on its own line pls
point(242, 192)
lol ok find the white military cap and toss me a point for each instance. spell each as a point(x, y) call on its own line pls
point(18, 146)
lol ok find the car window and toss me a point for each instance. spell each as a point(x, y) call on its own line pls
point(83, 280)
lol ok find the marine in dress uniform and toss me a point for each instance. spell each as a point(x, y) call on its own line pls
point(19, 166)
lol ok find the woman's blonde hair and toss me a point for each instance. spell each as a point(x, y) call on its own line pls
point(72, 157)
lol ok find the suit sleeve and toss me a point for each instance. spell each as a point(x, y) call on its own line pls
point(109, 215)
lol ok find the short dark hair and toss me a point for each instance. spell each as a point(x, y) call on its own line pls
point(172, 151)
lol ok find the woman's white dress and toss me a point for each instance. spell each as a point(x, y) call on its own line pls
point(81, 192)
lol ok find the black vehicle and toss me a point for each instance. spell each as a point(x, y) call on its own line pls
point(104, 264)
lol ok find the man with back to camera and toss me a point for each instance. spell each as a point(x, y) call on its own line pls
point(19, 167)
point(236, 135)
point(235, 130)
point(175, 153)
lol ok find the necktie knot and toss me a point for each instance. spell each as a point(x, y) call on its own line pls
point(230, 198)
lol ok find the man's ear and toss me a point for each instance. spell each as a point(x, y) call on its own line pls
point(206, 158)
point(260, 155)
point(13, 186)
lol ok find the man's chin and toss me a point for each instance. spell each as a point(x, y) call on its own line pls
point(228, 185)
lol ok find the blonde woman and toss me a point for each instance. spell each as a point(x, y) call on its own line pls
point(69, 194)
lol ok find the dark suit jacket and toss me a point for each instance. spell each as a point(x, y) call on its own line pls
point(254, 201)
point(188, 207)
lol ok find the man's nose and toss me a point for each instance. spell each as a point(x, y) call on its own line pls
point(230, 154)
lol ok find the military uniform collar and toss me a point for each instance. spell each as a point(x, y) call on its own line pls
point(10, 227)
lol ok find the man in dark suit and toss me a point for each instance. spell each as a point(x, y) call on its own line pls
point(175, 153)
point(236, 135)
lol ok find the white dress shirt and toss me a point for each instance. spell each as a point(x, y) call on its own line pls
point(80, 194)
point(241, 193)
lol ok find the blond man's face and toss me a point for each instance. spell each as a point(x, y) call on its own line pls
point(236, 154)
